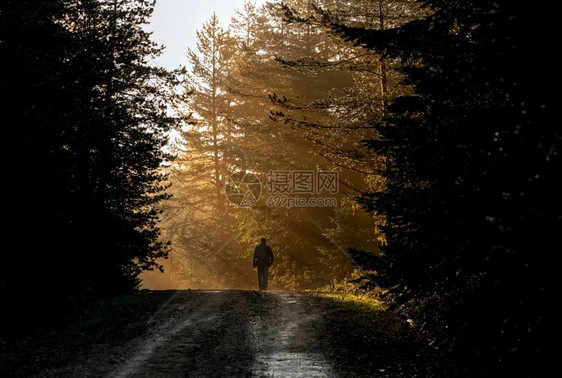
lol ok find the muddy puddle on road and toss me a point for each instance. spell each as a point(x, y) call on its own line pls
point(230, 334)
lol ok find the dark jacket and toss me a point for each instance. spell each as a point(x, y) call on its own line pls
point(263, 256)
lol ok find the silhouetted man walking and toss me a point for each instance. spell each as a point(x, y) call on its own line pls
point(263, 258)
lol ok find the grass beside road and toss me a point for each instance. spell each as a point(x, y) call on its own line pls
point(368, 312)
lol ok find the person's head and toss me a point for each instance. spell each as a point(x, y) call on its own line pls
point(263, 240)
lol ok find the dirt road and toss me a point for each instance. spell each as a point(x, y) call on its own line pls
point(230, 334)
point(237, 334)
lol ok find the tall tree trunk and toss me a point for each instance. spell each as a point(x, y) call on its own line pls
point(383, 75)
point(383, 78)
point(215, 128)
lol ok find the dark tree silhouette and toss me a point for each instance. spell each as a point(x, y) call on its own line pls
point(85, 117)
point(472, 203)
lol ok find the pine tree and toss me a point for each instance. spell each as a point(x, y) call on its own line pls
point(200, 216)
point(125, 129)
point(293, 91)
point(351, 96)
point(209, 68)
point(467, 226)
point(94, 129)
point(250, 142)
